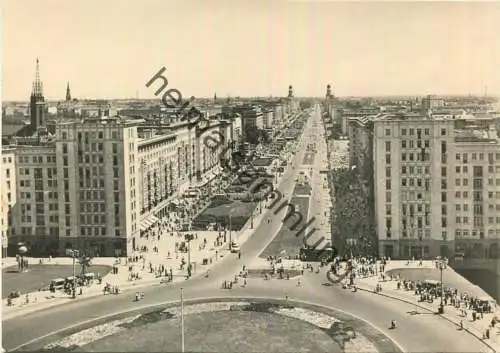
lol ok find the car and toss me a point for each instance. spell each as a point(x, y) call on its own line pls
point(235, 247)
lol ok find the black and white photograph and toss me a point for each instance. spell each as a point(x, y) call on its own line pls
point(250, 176)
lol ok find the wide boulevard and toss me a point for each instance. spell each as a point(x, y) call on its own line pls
point(415, 333)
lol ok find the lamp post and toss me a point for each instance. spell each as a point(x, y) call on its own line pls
point(22, 250)
point(230, 226)
point(182, 320)
point(253, 210)
point(74, 254)
point(442, 267)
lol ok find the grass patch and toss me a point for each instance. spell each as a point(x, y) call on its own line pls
point(40, 276)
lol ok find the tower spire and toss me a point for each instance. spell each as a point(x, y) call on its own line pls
point(68, 93)
point(37, 83)
point(37, 101)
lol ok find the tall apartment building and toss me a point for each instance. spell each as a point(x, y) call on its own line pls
point(437, 188)
point(101, 184)
point(8, 196)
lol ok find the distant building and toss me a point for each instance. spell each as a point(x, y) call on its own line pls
point(431, 102)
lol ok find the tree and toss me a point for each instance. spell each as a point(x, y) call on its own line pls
point(251, 135)
point(255, 135)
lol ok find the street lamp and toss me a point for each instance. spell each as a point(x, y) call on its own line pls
point(74, 254)
point(230, 226)
point(251, 219)
point(442, 266)
point(22, 250)
point(182, 320)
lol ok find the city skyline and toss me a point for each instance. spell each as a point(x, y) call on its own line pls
point(251, 48)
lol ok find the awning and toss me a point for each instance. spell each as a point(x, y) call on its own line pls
point(143, 225)
point(148, 222)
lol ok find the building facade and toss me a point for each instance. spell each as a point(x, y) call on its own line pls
point(8, 196)
point(418, 194)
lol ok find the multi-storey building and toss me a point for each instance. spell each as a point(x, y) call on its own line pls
point(417, 162)
point(267, 118)
point(8, 196)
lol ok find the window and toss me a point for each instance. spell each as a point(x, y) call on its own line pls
point(443, 132)
point(403, 143)
point(388, 184)
point(457, 182)
point(457, 169)
point(388, 146)
point(388, 159)
point(403, 132)
point(388, 172)
point(388, 209)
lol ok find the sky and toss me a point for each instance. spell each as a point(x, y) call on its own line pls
point(111, 48)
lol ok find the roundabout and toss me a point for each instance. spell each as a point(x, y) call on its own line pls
point(223, 325)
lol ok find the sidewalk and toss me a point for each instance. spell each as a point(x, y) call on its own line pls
point(389, 289)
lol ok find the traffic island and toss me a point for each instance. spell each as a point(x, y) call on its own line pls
point(225, 325)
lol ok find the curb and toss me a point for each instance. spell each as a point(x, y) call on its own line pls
point(418, 305)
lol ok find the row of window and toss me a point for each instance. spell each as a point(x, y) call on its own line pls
point(37, 159)
point(478, 221)
point(93, 135)
point(464, 157)
point(88, 172)
point(96, 231)
point(465, 182)
point(40, 230)
point(411, 132)
point(467, 233)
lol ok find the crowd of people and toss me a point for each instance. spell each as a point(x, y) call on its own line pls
point(469, 306)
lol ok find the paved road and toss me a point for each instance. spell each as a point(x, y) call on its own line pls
point(415, 333)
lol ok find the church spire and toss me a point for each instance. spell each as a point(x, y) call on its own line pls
point(68, 93)
point(37, 101)
point(37, 89)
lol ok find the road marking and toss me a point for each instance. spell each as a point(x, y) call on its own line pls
point(186, 302)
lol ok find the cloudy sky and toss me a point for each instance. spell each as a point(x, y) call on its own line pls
point(110, 48)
